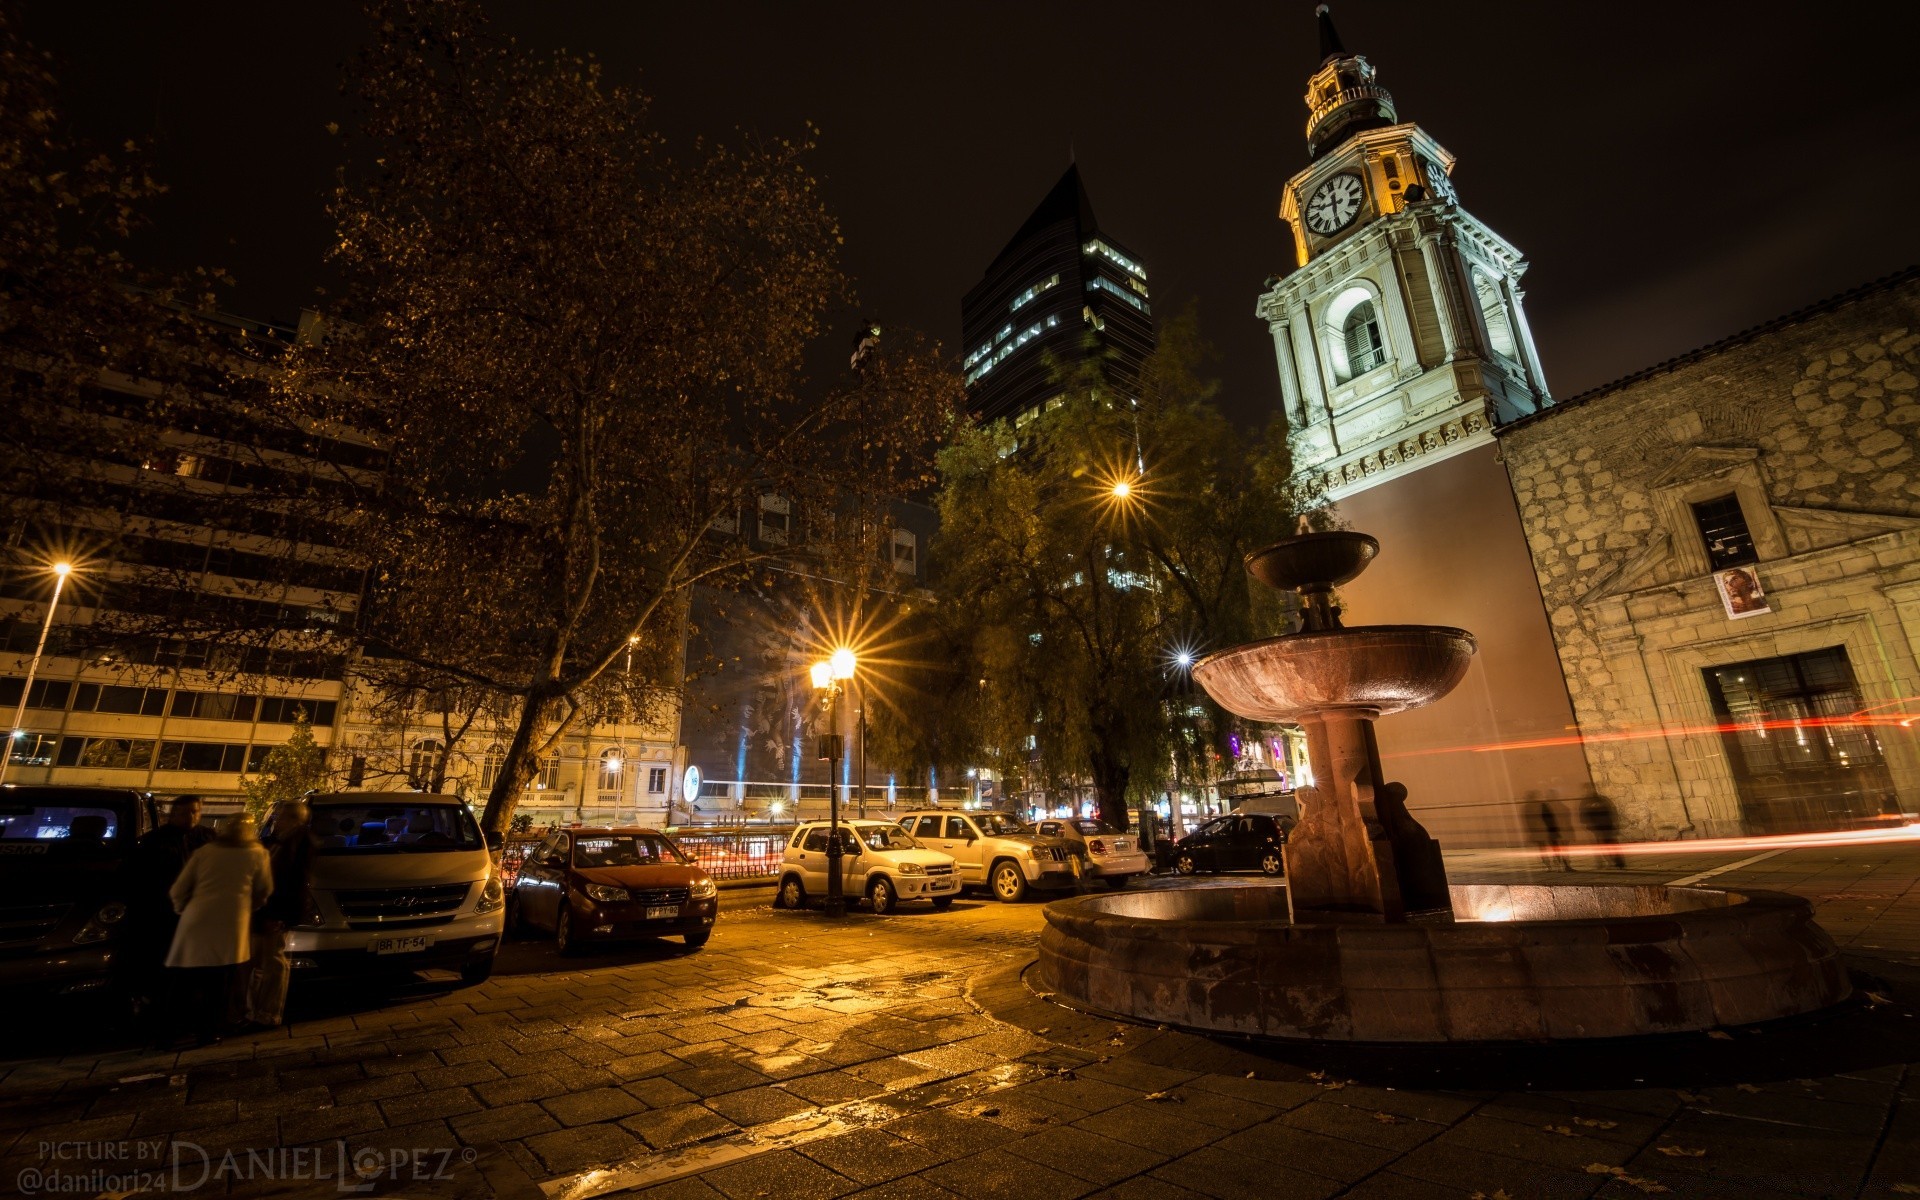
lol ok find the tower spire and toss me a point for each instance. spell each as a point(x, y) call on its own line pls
point(1342, 97)
point(1330, 44)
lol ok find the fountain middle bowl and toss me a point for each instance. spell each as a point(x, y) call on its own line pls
point(1371, 668)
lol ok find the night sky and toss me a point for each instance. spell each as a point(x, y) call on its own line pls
point(1674, 172)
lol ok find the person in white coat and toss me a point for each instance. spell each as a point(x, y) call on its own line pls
point(216, 895)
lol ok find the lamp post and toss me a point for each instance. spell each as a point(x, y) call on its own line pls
point(60, 570)
point(828, 675)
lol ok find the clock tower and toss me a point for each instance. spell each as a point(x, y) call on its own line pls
point(1401, 345)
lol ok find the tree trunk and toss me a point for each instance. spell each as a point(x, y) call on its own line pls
point(1109, 786)
point(518, 769)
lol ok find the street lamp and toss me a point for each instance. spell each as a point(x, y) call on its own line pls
point(60, 571)
point(827, 676)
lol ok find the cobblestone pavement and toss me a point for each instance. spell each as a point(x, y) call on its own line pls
point(906, 1057)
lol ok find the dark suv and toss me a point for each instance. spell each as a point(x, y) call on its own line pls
point(61, 849)
point(1235, 842)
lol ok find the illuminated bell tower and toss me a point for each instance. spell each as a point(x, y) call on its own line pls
point(1400, 336)
point(1402, 345)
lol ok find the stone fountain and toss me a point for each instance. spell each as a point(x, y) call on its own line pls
point(1367, 941)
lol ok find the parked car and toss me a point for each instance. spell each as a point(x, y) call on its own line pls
point(61, 849)
point(993, 850)
point(607, 884)
point(1112, 857)
point(1234, 842)
point(401, 881)
point(879, 860)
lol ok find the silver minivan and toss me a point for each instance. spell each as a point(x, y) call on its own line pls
point(401, 881)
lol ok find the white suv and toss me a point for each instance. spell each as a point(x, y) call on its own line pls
point(879, 862)
point(994, 850)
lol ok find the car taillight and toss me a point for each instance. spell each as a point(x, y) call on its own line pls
point(1098, 845)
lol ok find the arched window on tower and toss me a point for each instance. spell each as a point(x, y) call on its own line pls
point(1493, 309)
point(1361, 333)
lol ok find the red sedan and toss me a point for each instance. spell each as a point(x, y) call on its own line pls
point(608, 884)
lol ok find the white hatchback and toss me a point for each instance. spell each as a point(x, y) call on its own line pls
point(879, 861)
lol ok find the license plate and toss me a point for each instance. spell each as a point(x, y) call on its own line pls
point(1120, 844)
point(400, 945)
point(657, 911)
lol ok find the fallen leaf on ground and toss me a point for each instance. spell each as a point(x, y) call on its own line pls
point(1044, 1029)
point(1907, 1189)
point(1386, 1118)
point(1249, 1074)
point(1692, 1097)
point(1164, 1098)
point(1680, 1152)
point(1649, 1186)
point(1333, 1085)
point(1721, 1034)
point(1603, 1169)
point(1498, 1194)
point(1748, 1088)
point(1596, 1123)
point(1116, 1041)
point(1877, 998)
point(1562, 1130)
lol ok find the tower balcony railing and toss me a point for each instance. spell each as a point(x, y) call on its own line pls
point(1317, 114)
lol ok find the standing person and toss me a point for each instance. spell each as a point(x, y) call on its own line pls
point(291, 856)
point(1546, 833)
point(216, 895)
point(1596, 813)
point(142, 941)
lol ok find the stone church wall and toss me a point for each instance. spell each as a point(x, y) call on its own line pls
point(1813, 423)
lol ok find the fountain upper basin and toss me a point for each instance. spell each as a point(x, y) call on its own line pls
point(1373, 668)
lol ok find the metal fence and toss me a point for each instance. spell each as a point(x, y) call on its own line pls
point(722, 853)
point(736, 853)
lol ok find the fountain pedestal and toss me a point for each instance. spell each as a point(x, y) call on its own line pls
point(1356, 851)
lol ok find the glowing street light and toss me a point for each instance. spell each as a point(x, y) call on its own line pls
point(1122, 490)
point(827, 676)
point(60, 572)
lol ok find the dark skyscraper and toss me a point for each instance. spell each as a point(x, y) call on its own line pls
point(1059, 279)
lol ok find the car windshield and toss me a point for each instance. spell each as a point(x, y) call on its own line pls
point(886, 837)
point(625, 850)
point(388, 828)
point(1091, 826)
point(995, 824)
point(46, 827)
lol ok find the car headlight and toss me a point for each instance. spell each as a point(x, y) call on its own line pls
point(703, 889)
point(605, 894)
point(100, 925)
point(912, 869)
point(492, 896)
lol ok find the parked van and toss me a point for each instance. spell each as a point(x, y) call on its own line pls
point(61, 851)
point(401, 881)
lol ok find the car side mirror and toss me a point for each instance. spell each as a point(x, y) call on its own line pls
point(496, 841)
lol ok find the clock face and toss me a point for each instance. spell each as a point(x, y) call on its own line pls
point(1437, 181)
point(1334, 204)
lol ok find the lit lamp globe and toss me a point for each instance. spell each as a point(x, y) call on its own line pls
point(842, 662)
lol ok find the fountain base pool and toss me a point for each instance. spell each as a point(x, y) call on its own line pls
point(1519, 962)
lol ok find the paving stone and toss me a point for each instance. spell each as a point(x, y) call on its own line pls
point(508, 1123)
point(1317, 1154)
point(1081, 1152)
point(518, 1089)
point(781, 1173)
point(756, 1106)
point(1367, 1126)
point(832, 1087)
point(1533, 1143)
point(1232, 1176)
point(949, 1135)
point(584, 1108)
point(1470, 1170)
point(717, 1079)
point(678, 1126)
point(325, 1124)
point(870, 1156)
point(581, 1146)
point(1152, 1127)
point(1000, 1174)
point(422, 1106)
point(691, 1188)
point(912, 1187)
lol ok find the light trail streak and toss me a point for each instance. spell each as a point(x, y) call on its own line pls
point(1889, 835)
point(1864, 719)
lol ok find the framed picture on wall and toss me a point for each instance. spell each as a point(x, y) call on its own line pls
point(1740, 592)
